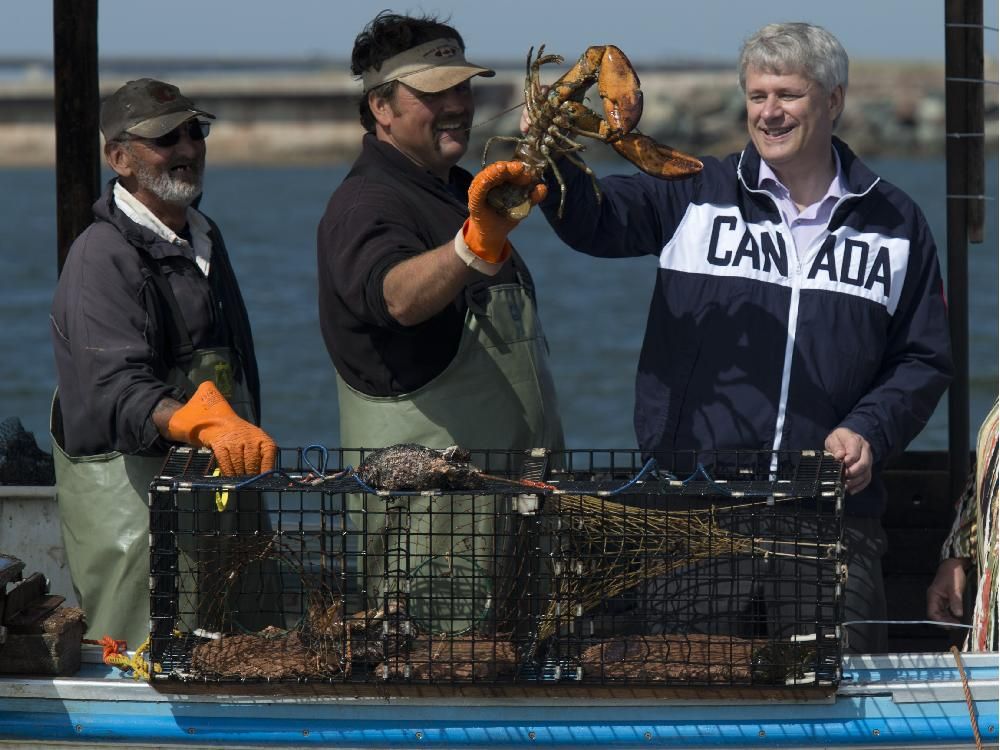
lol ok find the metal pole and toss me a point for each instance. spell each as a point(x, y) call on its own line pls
point(77, 103)
point(961, 84)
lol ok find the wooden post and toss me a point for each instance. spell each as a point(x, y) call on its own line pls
point(77, 104)
point(963, 85)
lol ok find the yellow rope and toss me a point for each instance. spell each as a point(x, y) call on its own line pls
point(137, 663)
point(630, 544)
point(968, 698)
point(607, 547)
point(221, 497)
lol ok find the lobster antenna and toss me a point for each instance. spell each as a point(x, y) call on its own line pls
point(497, 116)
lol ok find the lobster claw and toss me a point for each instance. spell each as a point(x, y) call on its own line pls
point(559, 113)
point(655, 158)
point(617, 84)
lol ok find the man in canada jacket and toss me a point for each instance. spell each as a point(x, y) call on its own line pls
point(798, 300)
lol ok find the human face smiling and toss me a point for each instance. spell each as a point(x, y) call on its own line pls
point(432, 130)
point(790, 120)
point(173, 172)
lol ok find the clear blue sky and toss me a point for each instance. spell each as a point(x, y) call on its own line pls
point(493, 29)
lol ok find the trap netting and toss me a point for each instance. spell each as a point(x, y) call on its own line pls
point(712, 569)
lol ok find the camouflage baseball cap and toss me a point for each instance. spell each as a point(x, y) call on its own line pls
point(147, 108)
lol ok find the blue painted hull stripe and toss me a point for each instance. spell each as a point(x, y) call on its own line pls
point(128, 726)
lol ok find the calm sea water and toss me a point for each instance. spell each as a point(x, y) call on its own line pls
point(594, 311)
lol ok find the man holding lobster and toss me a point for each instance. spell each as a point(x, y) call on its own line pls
point(427, 310)
point(798, 299)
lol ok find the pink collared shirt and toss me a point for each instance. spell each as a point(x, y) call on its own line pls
point(812, 220)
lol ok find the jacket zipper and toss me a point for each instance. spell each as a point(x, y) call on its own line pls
point(793, 307)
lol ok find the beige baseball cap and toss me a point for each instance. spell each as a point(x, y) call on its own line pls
point(429, 67)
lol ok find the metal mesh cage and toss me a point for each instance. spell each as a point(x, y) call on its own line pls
point(581, 567)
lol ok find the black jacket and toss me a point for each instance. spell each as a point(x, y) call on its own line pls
point(112, 331)
point(387, 210)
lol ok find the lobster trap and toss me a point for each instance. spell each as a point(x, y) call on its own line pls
point(710, 569)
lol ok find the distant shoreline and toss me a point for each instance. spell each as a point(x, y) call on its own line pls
point(309, 116)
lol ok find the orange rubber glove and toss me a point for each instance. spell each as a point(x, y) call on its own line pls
point(208, 421)
point(482, 240)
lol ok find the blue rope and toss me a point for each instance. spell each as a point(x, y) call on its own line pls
point(372, 490)
point(238, 485)
point(724, 489)
point(320, 470)
point(702, 472)
point(251, 480)
point(273, 472)
point(324, 455)
point(648, 467)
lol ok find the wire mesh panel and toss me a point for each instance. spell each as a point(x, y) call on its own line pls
point(501, 567)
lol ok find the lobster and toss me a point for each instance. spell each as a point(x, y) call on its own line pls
point(559, 112)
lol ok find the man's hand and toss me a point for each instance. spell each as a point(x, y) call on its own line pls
point(856, 454)
point(421, 286)
point(482, 241)
point(208, 421)
point(944, 595)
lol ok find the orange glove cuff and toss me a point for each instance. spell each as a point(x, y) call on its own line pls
point(486, 263)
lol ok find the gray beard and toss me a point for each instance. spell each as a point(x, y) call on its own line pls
point(168, 188)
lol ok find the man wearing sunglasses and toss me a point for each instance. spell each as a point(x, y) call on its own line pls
point(426, 309)
point(152, 348)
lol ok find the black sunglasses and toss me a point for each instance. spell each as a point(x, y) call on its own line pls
point(197, 130)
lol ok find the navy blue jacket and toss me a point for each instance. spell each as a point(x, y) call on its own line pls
point(754, 343)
